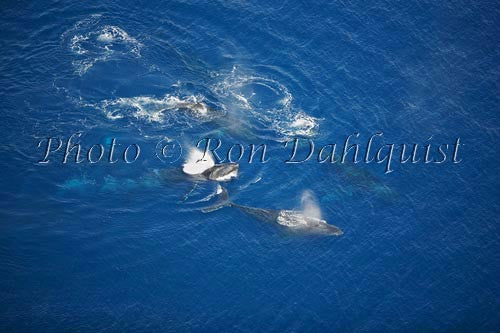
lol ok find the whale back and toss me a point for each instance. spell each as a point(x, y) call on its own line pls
point(298, 221)
point(267, 215)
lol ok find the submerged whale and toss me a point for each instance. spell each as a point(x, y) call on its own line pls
point(292, 219)
point(197, 107)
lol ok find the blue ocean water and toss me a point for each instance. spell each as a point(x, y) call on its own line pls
point(121, 248)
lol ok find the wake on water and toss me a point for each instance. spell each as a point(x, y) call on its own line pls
point(160, 110)
point(263, 101)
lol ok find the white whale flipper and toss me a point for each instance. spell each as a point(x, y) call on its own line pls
point(196, 163)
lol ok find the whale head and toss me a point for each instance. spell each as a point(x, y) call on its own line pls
point(323, 227)
point(298, 221)
point(222, 172)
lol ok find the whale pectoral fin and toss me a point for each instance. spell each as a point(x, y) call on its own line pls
point(222, 201)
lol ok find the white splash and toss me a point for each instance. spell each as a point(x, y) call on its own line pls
point(310, 208)
point(300, 125)
point(196, 163)
point(152, 109)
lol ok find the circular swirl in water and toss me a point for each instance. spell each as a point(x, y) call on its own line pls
point(266, 100)
point(91, 42)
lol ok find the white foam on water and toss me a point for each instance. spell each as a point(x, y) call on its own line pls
point(301, 125)
point(159, 110)
point(266, 100)
point(92, 42)
point(196, 163)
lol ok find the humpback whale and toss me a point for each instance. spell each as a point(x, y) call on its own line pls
point(197, 107)
point(199, 165)
point(221, 172)
point(292, 219)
